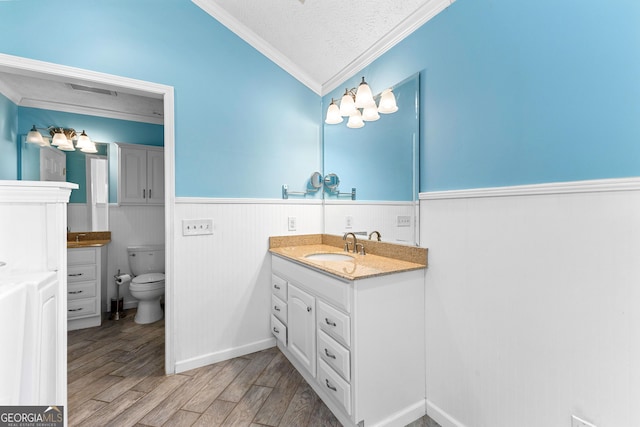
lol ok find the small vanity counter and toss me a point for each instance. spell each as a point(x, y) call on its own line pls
point(86, 278)
point(381, 258)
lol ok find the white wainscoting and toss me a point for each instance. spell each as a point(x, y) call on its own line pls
point(221, 290)
point(370, 216)
point(533, 304)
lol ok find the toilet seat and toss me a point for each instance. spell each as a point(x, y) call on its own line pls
point(148, 278)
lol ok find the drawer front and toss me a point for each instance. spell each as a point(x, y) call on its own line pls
point(335, 355)
point(279, 287)
point(81, 290)
point(81, 273)
point(279, 308)
point(81, 256)
point(279, 330)
point(334, 323)
point(82, 308)
point(336, 387)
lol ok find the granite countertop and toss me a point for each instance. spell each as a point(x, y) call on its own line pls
point(382, 258)
point(88, 239)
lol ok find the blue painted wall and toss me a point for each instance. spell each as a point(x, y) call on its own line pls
point(8, 134)
point(244, 126)
point(522, 92)
point(99, 129)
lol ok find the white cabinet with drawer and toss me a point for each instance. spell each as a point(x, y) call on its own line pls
point(85, 278)
point(279, 310)
point(368, 363)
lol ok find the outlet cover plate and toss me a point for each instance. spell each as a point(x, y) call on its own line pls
point(404, 221)
point(197, 227)
point(292, 223)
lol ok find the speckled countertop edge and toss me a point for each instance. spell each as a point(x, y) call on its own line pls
point(87, 239)
point(381, 259)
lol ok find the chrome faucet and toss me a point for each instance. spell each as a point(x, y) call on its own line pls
point(79, 235)
point(346, 245)
point(375, 232)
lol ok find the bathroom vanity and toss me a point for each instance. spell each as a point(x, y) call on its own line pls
point(353, 326)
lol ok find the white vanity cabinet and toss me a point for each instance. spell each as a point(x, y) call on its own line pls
point(85, 275)
point(140, 175)
point(367, 360)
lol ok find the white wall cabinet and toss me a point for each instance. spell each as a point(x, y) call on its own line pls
point(85, 278)
point(359, 344)
point(140, 175)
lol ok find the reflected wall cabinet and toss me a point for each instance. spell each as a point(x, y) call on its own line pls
point(140, 174)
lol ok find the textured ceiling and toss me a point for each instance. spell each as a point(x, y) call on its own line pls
point(322, 42)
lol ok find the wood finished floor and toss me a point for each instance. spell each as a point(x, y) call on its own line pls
point(116, 378)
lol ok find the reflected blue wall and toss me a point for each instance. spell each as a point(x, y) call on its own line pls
point(8, 132)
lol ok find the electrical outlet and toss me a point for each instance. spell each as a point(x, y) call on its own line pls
point(195, 227)
point(577, 422)
point(292, 223)
point(403, 221)
point(348, 221)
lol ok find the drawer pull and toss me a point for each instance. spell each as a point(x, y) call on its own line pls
point(329, 322)
point(308, 309)
point(276, 308)
point(75, 309)
point(75, 274)
point(276, 330)
point(277, 287)
point(333, 356)
point(75, 292)
point(330, 386)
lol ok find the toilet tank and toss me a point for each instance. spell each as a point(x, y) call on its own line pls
point(146, 259)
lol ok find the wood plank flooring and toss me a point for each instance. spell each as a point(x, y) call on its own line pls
point(116, 378)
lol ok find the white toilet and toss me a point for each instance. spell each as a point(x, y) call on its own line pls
point(147, 265)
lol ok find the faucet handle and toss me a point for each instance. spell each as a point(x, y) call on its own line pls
point(362, 251)
point(346, 247)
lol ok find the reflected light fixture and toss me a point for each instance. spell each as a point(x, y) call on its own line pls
point(360, 106)
point(63, 139)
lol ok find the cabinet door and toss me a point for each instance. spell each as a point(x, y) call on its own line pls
point(301, 327)
point(133, 176)
point(155, 177)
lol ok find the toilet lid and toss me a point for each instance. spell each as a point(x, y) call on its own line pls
point(148, 278)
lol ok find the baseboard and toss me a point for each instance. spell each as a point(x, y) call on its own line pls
point(208, 359)
point(404, 417)
point(441, 417)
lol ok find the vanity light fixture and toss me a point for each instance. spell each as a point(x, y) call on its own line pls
point(360, 106)
point(63, 139)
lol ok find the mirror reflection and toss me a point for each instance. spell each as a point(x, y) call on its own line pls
point(380, 161)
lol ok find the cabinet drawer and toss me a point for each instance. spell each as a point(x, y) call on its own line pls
point(279, 287)
point(335, 355)
point(81, 273)
point(279, 330)
point(336, 387)
point(334, 323)
point(82, 308)
point(279, 308)
point(81, 290)
point(81, 256)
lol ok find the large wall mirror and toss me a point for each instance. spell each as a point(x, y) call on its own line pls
point(379, 161)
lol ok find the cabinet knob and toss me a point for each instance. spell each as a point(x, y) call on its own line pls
point(308, 309)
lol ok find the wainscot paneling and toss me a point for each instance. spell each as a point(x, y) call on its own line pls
point(532, 304)
point(221, 289)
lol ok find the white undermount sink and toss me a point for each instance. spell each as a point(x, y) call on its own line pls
point(329, 256)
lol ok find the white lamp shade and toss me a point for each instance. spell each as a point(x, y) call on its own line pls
point(355, 121)
point(364, 97)
point(83, 141)
point(90, 148)
point(387, 102)
point(333, 114)
point(35, 137)
point(67, 147)
point(347, 105)
point(370, 114)
point(59, 139)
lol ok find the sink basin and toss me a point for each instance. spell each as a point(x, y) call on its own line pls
point(329, 256)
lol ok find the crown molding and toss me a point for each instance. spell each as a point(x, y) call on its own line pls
point(258, 43)
point(421, 16)
point(571, 187)
point(10, 93)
